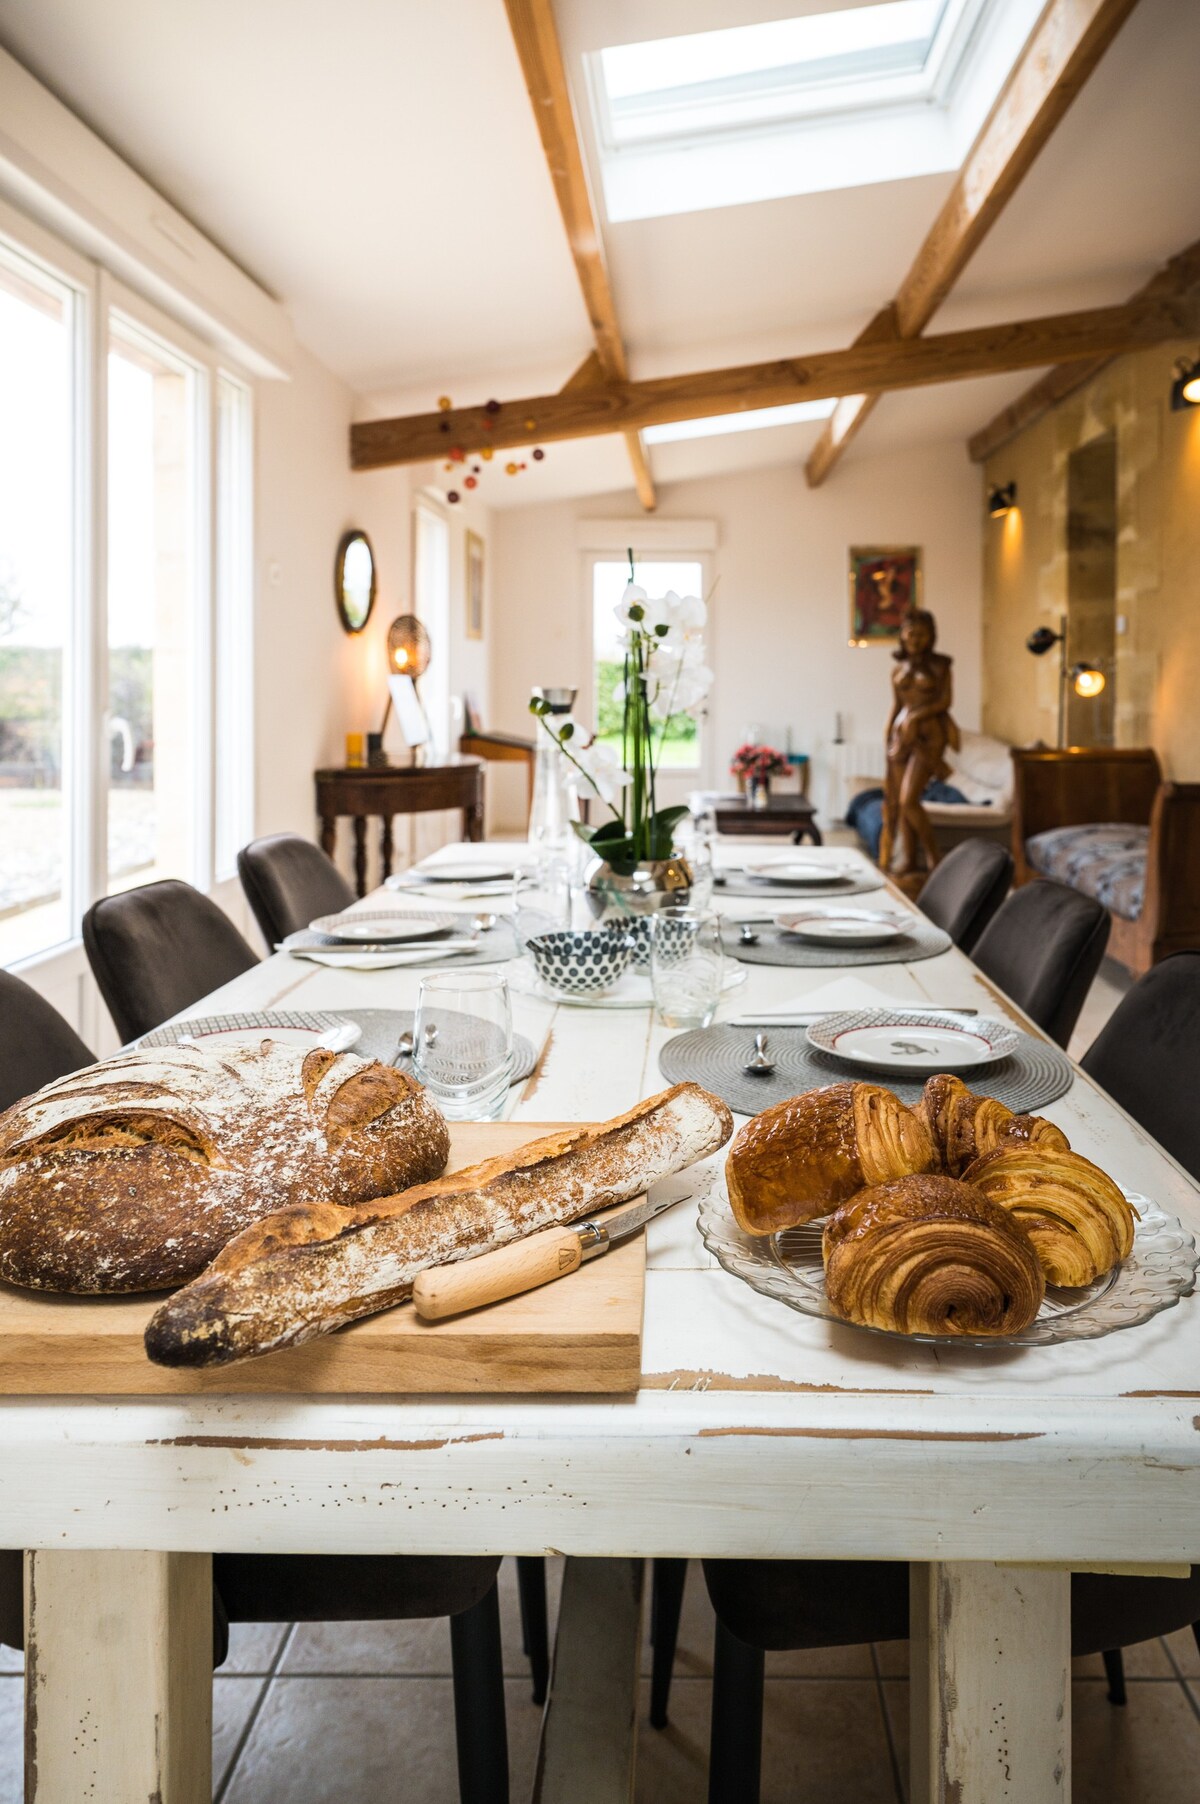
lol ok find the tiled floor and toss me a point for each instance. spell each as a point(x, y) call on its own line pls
point(326, 1715)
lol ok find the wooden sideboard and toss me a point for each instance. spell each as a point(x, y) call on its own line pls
point(386, 790)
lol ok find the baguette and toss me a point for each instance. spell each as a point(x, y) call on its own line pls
point(307, 1270)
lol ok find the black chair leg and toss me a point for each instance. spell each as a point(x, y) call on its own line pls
point(480, 1729)
point(666, 1606)
point(735, 1743)
point(535, 1626)
point(1114, 1672)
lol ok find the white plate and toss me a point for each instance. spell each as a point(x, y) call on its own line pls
point(464, 873)
point(386, 928)
point(630, 991)
point(916, 1044)
point(798, 871)
point(841, 927)
point(292, 1028)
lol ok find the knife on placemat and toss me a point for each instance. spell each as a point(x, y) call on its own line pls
point(446, 1290)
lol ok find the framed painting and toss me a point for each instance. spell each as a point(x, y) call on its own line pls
point(885, 581)
point(474, 586)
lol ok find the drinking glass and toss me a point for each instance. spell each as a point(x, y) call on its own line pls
point(686, 966)
point(541, 900)
point(463, 1043)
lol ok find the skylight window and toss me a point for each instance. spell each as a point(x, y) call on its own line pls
point(841, 98)
point(751, 421)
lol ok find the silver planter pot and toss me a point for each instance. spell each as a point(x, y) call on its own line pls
point(633, 900)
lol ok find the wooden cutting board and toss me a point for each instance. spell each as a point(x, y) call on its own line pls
point(582, 1333)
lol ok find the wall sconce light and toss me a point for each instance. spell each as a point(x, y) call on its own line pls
point(1185, 389)
point(1087, 680)
point(1002, 500)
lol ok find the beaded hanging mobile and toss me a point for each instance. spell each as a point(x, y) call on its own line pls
point(472, 470)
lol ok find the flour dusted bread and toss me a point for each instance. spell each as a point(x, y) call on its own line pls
point(803, 1157)
point(133, 1174)
point(310, 1269)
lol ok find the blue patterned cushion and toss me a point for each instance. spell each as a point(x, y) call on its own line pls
point(1106, 860)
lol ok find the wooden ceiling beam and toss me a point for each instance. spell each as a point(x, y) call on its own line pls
point(536, 38)
point(1180, 277)
point(1065, 46)
point(628, 406)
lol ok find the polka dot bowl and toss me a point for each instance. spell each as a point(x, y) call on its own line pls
point(579, 964)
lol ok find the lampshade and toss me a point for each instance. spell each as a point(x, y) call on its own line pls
point(1185, 389)
point(407, 647)
point(1041, 640)
point(1002, 499)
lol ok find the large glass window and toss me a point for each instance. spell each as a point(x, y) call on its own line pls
point(681, 743)
point(155, 655)
point(234, 594)
point(37, 539)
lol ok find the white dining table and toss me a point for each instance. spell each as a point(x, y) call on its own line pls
point(757, 1431)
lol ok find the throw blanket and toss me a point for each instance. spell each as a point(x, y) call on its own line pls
point(1105, 860)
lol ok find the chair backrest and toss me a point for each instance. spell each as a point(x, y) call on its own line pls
point(1146, 1057)
point(289, 882)
point(158, 949)
point(1043, 949)
point(964, 891)
point(36, 1044)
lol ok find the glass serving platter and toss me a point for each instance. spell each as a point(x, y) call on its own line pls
point(1159, 1271)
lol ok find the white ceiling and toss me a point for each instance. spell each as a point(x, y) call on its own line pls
point(376, 166)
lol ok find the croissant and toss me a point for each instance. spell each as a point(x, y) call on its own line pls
point(1078, 1220)
point(803, 1157)
point(964, 1126)
point(931, 1255)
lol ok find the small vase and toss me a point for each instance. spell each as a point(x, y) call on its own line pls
point(615, 899)
point(759, 791)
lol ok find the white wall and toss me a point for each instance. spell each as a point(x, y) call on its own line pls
point(780, 615)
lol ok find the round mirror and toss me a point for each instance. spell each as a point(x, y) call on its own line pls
point(354, 580)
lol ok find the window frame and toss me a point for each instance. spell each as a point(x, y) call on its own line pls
point(697, 774)
point(97, 296)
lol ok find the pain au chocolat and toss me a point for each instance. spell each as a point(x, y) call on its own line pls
point(931, 1255)
point(964, 1126)
point(1077, 1219)
point(800, 1159)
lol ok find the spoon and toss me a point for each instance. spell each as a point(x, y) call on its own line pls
point(747, 936)
point(760, 1065)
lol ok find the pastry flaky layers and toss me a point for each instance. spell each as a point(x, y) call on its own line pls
point(856, 1149)
point(931, 1255)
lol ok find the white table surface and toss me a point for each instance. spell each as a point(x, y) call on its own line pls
point(758, 1431)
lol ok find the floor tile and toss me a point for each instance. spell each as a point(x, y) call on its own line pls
point(253, 1646)
point(1146, 1753)
point(1185, 1652)
point(823, 1741)
point(693, 1655)
point(321, 1741)
point(233, 1700)
point(12, 1740)
point(418, 1648)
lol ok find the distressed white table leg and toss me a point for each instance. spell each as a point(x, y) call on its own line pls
point(589, 1732)
point(118, 1678)
point(996, 1673)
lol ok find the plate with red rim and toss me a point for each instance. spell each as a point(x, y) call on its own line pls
point(842, 926)
point(291, 1027)
point(914, 1044)
point(799, 871)
point(384, 927)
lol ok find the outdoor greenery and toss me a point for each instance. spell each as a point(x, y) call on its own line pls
point(680, 742)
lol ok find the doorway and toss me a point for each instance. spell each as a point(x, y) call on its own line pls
point(1092, 586)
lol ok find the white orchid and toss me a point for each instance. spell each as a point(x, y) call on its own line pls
point(603, 770)
point(630, 609)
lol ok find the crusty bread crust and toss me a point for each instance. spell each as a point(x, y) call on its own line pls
point(308, 1270)
point(133, 1174)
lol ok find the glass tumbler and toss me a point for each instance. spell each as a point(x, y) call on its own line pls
point(541, 900)
point(463, 1043)
point(687, 963)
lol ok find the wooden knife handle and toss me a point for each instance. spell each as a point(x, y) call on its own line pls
point(470, 1283)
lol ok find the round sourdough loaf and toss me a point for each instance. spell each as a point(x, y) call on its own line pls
point(133, 1174)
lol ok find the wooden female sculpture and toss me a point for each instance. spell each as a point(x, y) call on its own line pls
point(918, 731)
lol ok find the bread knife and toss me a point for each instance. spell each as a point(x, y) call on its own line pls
point(446, 1290)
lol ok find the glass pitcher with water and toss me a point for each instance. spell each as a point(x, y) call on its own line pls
point(555, 796)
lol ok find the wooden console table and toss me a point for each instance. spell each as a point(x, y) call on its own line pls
point(391, 789)
point(784, 815)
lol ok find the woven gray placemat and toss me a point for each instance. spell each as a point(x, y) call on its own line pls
point(1036, 1073)
point(382, 1027)
point(920, 939)
point(742, 889)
